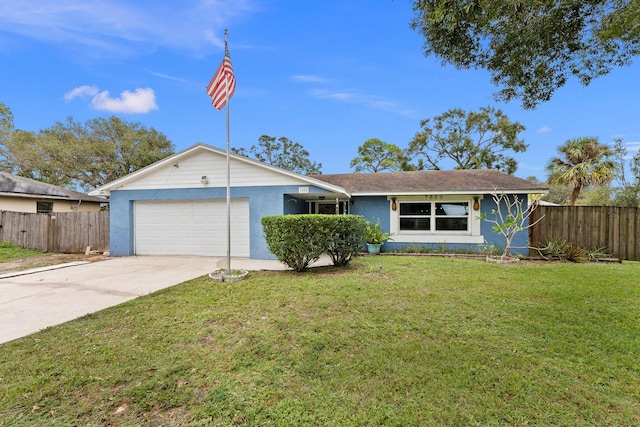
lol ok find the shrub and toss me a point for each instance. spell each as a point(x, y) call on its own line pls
point(576, 253)
point(553, 248)
point(561, 249)
point(348, 232)
point(598, 253)
point(300, 240)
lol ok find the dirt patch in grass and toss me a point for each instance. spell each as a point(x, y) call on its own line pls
point(28, 263)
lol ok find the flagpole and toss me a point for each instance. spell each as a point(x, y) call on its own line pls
point(226, 84)
point(219, 98)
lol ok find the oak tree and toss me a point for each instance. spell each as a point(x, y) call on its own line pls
point(469, 140)
point(282, 153)
point(377, 156)
point(88, 155)
point(531, 48)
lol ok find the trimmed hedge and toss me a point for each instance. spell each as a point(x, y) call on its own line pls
point(300, 240)
point(348, 234)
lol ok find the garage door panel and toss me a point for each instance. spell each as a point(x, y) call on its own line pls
point(191, 228)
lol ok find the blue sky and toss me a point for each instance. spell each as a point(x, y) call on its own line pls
point(328, 74)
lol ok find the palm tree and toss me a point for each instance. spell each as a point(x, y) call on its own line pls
point(584, 162)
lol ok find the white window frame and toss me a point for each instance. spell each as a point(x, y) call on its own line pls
point(471, 236)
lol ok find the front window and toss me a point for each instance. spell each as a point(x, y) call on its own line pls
point(434, 216)
point(452, 216)
point(415, 216)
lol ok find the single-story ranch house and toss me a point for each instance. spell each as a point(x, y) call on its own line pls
point(177, 206)
point(20, 194)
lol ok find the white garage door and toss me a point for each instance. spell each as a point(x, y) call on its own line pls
point(193, 227)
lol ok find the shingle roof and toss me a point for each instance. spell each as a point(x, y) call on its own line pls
point(13, 185)
point(456, 181)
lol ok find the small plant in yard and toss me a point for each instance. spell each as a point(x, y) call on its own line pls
point(561, 249)
point(576, 253)
point(509, 218)
point(375, 237)
point(414, 249)
point(374, 234)
point(596, 254)
point(554, 247)
point(489, 248)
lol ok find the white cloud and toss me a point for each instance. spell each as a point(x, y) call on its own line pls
point(633, 146)
point(142, 100)
point(308, 78)
point(372, 101)
point(117, 28)
point(340, 96)
point(544, 129)
point(84, 90)
point(326, 94)
point(167, 76)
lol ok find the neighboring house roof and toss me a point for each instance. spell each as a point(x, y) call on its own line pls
point(440, 181)
point(18, 186)
point(200, 147)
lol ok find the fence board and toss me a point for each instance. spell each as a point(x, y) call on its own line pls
point(615, 229)
point(66, 232)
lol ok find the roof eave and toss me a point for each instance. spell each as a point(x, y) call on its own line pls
point(447, 192)
point(50, 197)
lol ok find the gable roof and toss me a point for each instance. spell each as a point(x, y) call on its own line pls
point(201, 147)
point(440, 181)
point(18, 186)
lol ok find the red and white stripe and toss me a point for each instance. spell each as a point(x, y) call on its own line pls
point(223, 81)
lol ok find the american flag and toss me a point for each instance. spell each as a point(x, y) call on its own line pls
point(222, 81)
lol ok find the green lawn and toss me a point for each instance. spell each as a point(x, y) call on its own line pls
point(9, 252)
point(398, 341)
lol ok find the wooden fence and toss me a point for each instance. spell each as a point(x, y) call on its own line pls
point(68, 232)
point(614, 228)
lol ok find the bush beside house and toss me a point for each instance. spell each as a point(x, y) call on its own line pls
point(300, 240)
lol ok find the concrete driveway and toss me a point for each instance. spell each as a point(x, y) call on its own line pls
point(33, 301)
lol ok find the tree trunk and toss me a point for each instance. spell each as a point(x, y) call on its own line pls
point(575, 193)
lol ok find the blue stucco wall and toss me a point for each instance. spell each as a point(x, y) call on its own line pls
point(377, 208)
point(263, 201)
point(374, 209)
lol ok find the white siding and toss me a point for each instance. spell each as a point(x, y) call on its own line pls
point(188, 172)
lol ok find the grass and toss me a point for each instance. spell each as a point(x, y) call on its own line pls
point(9, 252)
point(397, 341)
